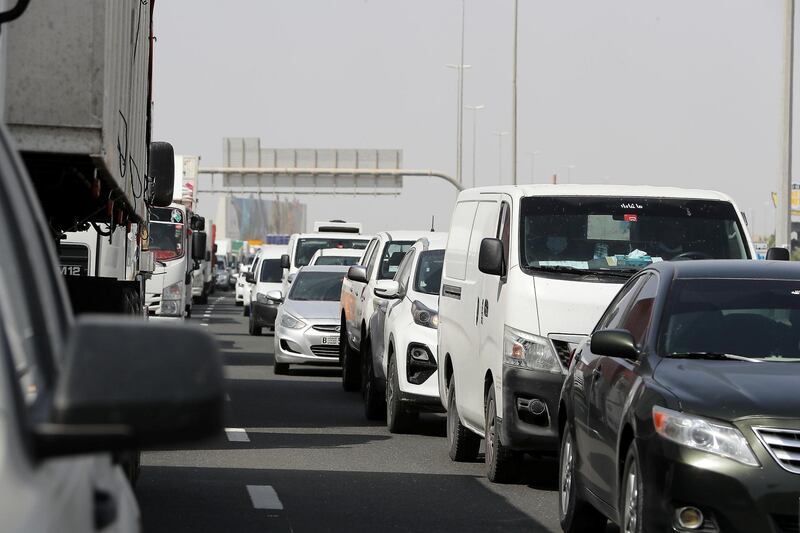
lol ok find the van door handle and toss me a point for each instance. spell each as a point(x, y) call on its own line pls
point(477, 311)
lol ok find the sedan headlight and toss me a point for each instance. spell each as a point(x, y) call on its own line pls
point(424, 315)
point(173, 292)
point(703, 434)
point(288, 321)
point(525, 350)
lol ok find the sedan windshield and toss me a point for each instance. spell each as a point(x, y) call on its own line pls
point(606, 234)
point(429, 272)
point(306, 248)
point(317, 286)
point(720, 318)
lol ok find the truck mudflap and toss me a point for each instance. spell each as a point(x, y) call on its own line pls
point(104, 295)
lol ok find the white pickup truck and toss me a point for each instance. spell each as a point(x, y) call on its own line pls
point(382, 257)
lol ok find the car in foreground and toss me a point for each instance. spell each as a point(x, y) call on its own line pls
point(681, 413)
point(404, 339)
point(307, 323)
point(337, 256)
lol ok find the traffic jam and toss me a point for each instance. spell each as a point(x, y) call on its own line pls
point(553, 357)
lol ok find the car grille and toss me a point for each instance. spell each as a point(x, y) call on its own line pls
point(325, 350)
point(786, 523)
point(331, 328)
point(783, 445)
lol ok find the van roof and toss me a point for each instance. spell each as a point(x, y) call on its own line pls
point(642, 191)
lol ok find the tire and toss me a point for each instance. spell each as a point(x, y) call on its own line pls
point(398, 419)
point(462, 443)
point(252, 329)
point(351, 375)
point(188, 312)
point(631, 503)
point(576, 514)
point(374, 401)
point(280, 369)
point(239, 304)
point(246, 311)
point(502, 463)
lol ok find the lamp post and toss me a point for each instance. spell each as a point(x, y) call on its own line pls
point(514, 99)
point(460, 117)
point(500, 135)
point(783, 221)
point(474, 109)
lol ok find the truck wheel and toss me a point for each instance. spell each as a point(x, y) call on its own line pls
point(246, 311)
point(280, 369)
point(188, 311)
point(351, 377)
point(374, 402)
point(462, 443)
point(239, 304)
point(502, 463)
point(398, 419)
point(204, 299)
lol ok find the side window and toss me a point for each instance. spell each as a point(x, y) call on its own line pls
point(616, 312)
point(404, 271)
point(393, 255)
point(254, 268)
point(455, 257)
point(371, 257)
point(367, 252)
point(504, 230)
point(637, 320)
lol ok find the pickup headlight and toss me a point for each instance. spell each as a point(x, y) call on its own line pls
point(532, 352)
point(288, 321)
point(703, 434)
point(172, 292)
point(424, 315)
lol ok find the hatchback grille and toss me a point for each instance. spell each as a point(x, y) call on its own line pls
point(325, 350)
point(783, 445)
point(334, 328)
point(786, 523)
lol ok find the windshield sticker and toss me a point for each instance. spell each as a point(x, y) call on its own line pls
point(177, 216)
point(631, 218)
point(631, 206)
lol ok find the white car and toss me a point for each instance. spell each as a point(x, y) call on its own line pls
point(336, 256)
point(404, 339)
point(528, 271)
point(263, 278)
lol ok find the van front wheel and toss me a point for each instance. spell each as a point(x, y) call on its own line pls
point(462, 443)
point(502, 463)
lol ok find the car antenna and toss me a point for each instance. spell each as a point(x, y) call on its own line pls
point(433, 219)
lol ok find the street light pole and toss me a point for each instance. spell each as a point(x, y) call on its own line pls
point(500, 135)
point(460, 116)
point(474, 109)
point(783, 222)
point(514, 99)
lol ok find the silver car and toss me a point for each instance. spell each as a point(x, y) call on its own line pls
point(307, 323)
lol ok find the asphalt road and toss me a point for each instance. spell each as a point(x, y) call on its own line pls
point(298, 455)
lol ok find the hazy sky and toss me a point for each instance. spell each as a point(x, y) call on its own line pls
point(669, 92)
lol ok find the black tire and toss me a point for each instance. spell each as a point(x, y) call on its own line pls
point(351, 375)
point(246, 311)
point(280, 369)
point(252, 329)
point(130, 462)
point(398, 418)
point(576, 514)
point(374, 401)
point(631, 497)
point(462, 443)
point(239, 304)
point(502, 463)
point(188, 311)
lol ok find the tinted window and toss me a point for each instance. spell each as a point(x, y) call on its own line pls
point(393, 254)
point(335, 260)
point(306, 248)
point(752, 318)
point(637, 319)
point(271, 271)
point(429, 272)
point(626, 233)
point(504, 230)
point(618, 310)
point(317, 286)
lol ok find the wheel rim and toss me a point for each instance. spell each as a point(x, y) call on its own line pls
point(452, 417)
point(390, 393)
point(567, 469)
point(490, 429)
point(631, 517)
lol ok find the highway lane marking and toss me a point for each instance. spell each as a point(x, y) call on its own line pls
point(202, 324)
point(237, 435)
point(264, 497)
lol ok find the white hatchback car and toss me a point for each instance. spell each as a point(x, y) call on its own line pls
point(407, 315)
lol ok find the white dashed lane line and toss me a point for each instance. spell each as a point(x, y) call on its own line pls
point(264, 497)
point(237, 435)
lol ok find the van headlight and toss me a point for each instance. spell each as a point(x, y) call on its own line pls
point(703, 434)
point(172, 292)
point(532, 352)
point(291, 322)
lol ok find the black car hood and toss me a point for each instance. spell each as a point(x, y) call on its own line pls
point(728, 390)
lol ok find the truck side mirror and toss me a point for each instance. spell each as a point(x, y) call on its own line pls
point(491, 259)
point(198, 245)
point(198, 223)
point(161, 170)
point(778, 254)
point(285, 261)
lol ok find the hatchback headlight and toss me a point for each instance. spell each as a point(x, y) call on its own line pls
point(424, 315)
point(291, 322)
point(703, 434)
point(525, 350)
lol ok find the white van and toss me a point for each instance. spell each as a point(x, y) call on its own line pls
point(303, 246)
point(527, 273)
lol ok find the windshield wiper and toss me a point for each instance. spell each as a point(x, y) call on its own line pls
point(562, 268)
point(619, 272)
point(714, 355)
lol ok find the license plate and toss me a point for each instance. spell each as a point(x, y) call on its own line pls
point(330, 340)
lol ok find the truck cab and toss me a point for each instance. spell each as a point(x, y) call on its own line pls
point(168, 291)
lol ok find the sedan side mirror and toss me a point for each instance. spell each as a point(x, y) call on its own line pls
point(275, 296)
point(198, 245)
point(615, 343)
point(285, 261)
point(778, 254)
point(387, 289)
point(249, 277)
point(491, 259)
point(161, 170)
point(357, 273)
point(129, 384)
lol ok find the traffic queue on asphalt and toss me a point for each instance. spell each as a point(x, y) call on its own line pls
point(627, 331)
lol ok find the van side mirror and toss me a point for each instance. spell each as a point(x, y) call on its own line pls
point(615, 343)
point(285, 261)
point(357, 273)
point(491, 258)
point(161, 170)
point(778, 254)
point(198, 245)
point(131, 384)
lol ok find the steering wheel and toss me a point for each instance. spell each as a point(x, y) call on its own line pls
point(692, 255)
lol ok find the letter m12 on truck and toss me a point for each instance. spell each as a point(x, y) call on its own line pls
point(76, 96)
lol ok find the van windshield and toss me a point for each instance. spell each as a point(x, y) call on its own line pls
point(618, 234)
point(306, 248)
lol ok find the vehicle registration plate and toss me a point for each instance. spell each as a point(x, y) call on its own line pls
point(330, 340)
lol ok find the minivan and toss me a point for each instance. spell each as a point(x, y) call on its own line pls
point(528, 271)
